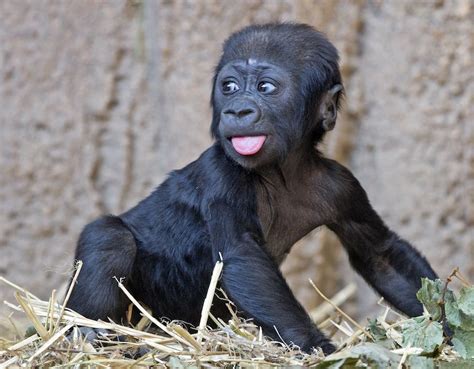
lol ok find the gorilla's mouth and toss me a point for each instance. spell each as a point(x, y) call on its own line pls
point(248, 145)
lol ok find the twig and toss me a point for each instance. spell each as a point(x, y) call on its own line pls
point(18, 288)
point(341, 311)
point(50, 318)
point(442, 303)
point(15, 328)
point(9, 362)
point(68, 294)
point(339, 298)
point(404, 356)
point(30, 313)
point(462, 278)
point(149, 316)
point(49, 342)
point(216, 273)
point(24, 343)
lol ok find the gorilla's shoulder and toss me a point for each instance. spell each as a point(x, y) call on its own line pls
point(208, 177)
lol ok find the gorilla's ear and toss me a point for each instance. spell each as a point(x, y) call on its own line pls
point(328, 107)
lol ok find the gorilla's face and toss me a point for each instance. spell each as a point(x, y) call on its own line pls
point(259, 111)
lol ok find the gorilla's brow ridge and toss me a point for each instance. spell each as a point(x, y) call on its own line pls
point(242, 67)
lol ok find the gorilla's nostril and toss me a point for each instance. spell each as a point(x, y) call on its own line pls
point(229, 111)
point(244, 112)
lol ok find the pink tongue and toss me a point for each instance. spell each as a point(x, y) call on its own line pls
point(248, 145)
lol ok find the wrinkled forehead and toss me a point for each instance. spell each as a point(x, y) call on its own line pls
point(253, 65)
point(258, 51)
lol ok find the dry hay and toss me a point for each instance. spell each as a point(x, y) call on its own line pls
point(55, 340)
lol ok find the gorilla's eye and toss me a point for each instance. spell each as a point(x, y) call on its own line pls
point(266, 87)
point(230, 87)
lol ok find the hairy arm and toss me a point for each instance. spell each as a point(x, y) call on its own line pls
point(254, 282)
point(388, 263)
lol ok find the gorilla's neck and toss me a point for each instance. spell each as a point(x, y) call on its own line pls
point(283, 194)
point(294, 168)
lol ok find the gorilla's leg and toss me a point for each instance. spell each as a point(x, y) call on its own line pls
point(107, 249)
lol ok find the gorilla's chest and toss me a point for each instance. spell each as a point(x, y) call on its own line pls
point(285, 217)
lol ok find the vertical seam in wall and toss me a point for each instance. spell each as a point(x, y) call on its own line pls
point(153, 55)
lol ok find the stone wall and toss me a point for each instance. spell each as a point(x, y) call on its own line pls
point(99, 100)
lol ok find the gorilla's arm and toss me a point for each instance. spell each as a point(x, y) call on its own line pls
point(390, 264)
point(255, 284)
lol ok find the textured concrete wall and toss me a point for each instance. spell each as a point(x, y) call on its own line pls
point(415, 142)
point(77, 135)
point(99, 100)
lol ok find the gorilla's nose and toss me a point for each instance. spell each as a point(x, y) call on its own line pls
point(241, 113)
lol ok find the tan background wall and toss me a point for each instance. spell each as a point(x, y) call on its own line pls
point(99, 100)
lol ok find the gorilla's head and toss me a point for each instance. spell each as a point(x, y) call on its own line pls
point(276, 89)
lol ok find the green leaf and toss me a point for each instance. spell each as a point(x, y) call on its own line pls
point(458, 364)
point(420, 362)
point(337, 363)
point(430, 295)
point(30, 330)
point(451, 309)
point(423, 333)
point(376, 330)
point(377, 355)
point(463, 342)
point(466, 308)
point(368, 353)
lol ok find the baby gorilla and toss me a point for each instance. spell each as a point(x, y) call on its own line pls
point(257, 190)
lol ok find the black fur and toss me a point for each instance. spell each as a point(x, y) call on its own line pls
point(249, 208)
